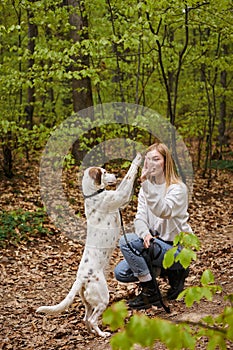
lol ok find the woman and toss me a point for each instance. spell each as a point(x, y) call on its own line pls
point(161, 215)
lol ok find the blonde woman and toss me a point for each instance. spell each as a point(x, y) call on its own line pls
point(161, 215)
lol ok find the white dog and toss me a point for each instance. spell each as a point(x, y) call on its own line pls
point(103, 230)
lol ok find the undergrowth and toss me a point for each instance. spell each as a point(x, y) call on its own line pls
point(19, 225)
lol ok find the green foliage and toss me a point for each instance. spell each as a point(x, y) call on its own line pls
point(20, 138)
point(142, 330)
point(116, 316)
point(69, 161)
point(121, 57)
point(207, 290)
point(222, 164)
point(18, 225)
point(189, 242)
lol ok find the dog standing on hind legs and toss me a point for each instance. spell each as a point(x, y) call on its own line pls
point(103, 231)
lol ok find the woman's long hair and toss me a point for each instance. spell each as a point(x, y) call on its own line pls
point(170, 172)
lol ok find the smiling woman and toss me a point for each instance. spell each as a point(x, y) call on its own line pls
point(160, 165)
point(161, 215)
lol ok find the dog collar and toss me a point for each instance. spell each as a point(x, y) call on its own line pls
point(94, 194)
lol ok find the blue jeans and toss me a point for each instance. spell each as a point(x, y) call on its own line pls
point(133, 265)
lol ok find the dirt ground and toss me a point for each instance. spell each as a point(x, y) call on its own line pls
point(41, 270)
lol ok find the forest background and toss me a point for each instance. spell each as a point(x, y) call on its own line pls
point(60, 57)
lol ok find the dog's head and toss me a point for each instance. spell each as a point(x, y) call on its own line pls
point(96, 177)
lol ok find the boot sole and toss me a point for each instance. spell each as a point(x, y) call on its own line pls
point(147, 306)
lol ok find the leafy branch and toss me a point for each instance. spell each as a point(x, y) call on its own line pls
point(174, 334)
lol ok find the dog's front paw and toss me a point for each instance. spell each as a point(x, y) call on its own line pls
point(138, 159)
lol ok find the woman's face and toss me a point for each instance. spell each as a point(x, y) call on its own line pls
point(155, 162)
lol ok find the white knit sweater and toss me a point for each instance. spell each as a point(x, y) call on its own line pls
point(163, 210)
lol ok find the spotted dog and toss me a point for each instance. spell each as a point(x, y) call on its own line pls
point(103, 230)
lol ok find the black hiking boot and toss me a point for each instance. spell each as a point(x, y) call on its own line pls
point(148, 297)
point(176, 280)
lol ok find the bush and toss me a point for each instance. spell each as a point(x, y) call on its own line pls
point(19, 225)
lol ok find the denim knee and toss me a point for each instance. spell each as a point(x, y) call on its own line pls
point(123, 273)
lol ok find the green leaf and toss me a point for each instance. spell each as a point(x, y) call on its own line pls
point(136, 328)
point(216, 340)
point(188, 340)
point(206, 293)
point(207, 277)
point(115, 315)
point(169, 258)
point(185, 257)
point(192, 294)
point(121, 341)
point(187, 240)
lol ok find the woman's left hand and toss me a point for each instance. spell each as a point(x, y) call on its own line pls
point(145, 170)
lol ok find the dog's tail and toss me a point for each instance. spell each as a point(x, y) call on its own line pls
point(65, 303)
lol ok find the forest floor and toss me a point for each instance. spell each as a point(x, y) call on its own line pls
point(41, 270)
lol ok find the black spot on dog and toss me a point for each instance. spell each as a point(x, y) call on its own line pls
point(86, 260)
point(99, 219)
point(90, 272)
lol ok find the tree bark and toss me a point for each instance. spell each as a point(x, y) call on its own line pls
point(81, 88)
point(32, 35)
point(222, 112)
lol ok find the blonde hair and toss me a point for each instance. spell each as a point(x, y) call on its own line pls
point(170, 172)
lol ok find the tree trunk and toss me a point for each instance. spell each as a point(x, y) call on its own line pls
point(81, 88)
point(32, 35)
point(222, 112)
point(7, 161)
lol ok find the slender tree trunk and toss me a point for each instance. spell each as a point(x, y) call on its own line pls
point(18, 15)
point(7, 163)
point(81, 88)
point(222, 112)
point(118, 74)
point(32, 35)
point(171, 81)
point(212, 113)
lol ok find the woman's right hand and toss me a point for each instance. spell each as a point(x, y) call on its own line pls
point(147, 240)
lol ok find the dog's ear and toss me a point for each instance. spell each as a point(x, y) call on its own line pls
point(95, 174)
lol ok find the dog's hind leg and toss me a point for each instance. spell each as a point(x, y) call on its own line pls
point(88, 311)
point(96, 295)
point(93, 321)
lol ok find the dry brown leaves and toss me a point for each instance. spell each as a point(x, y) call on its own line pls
point(42, 271)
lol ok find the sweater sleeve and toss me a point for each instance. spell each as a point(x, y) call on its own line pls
point(172, 204)
point(141, 222)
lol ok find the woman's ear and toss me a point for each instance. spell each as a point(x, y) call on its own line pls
point(95, 174)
